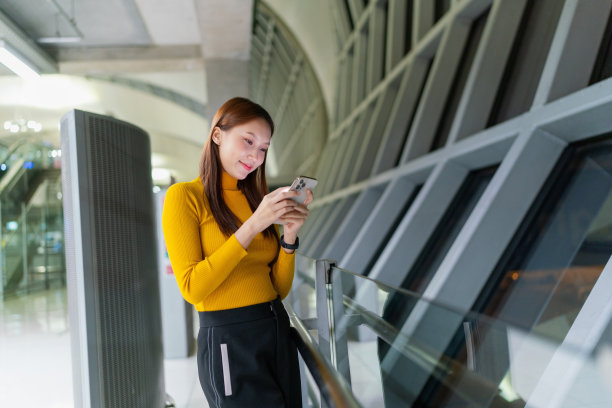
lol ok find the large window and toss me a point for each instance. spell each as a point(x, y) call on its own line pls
point(549, 269)
point(526, 62)
point(398, 306)
point(447, 230)
point(452, 103)
point(560, 251)
point(398, 218)
point(603, 64)
point(426, 265)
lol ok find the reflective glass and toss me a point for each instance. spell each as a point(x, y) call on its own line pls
point(550, 268)
point(31, 219)
point(448, 228)
point(557, 257)
point(303, 297)
point(416, 351)
point(603, 64)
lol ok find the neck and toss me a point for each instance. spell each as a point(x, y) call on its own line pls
point(228, 182)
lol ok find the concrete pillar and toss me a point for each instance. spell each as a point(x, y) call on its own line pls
point(225, 78)
point(225, 27)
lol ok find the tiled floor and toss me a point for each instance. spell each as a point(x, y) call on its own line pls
point(35, 360)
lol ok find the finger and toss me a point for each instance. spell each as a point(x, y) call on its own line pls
point(309, 197)
point(301, 209)
point(278, 195)
point(280, 190)
point(284, 204)
point(293, 216)
point(282, 212)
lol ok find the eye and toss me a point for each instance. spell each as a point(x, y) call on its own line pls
point(248, 141)
point(264, 150)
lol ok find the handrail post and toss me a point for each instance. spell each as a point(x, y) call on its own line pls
point(24, 251)
point(330, 310)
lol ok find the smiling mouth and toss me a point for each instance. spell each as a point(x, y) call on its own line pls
point(247, 167)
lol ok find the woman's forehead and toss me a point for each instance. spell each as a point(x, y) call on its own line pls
point(257, 128)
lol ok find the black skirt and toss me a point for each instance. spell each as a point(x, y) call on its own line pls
point(246, 357)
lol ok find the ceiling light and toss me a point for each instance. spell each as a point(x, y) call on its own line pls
point(22, 126)
point(58, 40)
point(16, 63)
point(161, 176)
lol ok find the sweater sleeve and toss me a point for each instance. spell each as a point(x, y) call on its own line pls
point(282, 273)
point(197, 276)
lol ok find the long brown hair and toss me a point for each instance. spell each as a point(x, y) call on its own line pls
point(235, 111)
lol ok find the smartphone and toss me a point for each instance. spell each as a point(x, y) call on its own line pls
point(300, 184)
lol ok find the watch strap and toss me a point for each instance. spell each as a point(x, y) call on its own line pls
point(289, 246)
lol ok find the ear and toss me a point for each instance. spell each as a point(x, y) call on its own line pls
point(216, 135)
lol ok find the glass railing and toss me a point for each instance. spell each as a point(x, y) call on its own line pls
point(31, 219)
point(398, 349)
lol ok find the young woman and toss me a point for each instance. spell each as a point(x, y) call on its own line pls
point(230, 262)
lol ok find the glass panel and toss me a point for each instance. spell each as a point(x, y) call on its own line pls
point(399, 152)
point(603, 65)
point(31, 222)
point(347, 13)
point(303, 296)
point(392, 228)
point(441, 7)
point(452, 102)
point(408, 27)
point(447, 230)
point(526, 61)
point(562, 248)
point(552, 265)
point(331, 225)
point(393, 365)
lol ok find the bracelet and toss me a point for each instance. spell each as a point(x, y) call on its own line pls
point(289, 246)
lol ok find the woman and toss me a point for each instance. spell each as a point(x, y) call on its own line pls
point(231, 264)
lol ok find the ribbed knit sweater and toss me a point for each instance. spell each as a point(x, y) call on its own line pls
point(215, 272)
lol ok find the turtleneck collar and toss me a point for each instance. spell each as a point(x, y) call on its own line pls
point(228, 182)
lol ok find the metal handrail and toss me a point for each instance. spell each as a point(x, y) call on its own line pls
point(445, 369)
point(331, 386)
point(408, 293)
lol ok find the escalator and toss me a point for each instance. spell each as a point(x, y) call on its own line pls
point(31, 219)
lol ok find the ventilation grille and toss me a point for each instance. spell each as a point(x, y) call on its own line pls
point(127, 311)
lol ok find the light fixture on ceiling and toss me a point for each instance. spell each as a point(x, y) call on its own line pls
point(22, 126)
point(58, 38)
point(11, 59)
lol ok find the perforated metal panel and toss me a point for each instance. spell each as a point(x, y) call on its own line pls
point(121, 326)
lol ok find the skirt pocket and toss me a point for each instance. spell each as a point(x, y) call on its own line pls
point(225, 367)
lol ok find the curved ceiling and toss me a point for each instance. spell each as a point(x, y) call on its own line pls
point(123, 43)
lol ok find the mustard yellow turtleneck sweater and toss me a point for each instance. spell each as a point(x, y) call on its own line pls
point(215, 272)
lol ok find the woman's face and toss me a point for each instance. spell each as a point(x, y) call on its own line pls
point(243, 148)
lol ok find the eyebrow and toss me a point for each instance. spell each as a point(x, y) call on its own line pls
point(254, 135)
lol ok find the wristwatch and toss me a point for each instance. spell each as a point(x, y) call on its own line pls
point(290, 246)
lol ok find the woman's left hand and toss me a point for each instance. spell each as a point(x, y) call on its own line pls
point(293, 220)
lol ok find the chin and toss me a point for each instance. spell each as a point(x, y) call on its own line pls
point(241, 175)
